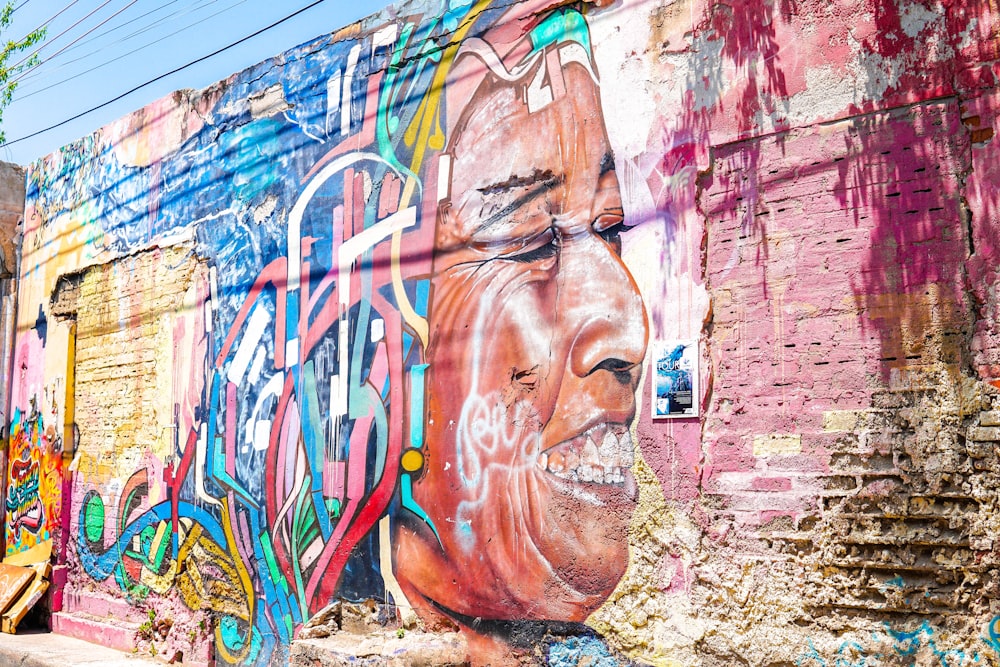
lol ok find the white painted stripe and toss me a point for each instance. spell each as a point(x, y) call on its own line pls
point(384, 37)
point(444, 177)
point(291, 352)
point(259, 319)
point(378, 330)
point(332, 99)
point(346, 96)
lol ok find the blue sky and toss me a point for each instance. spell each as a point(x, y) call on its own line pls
point(145, 39)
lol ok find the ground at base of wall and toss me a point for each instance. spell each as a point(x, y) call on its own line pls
point(38, 648)
point(394, 648)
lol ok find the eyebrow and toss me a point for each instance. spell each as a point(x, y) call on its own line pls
point(518, 182)
point(542, 182)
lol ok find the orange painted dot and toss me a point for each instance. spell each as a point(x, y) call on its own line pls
point(412, 460)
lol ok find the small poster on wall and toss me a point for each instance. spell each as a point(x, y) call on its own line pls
point(675, 379)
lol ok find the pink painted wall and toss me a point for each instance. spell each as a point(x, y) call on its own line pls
point(359, 291)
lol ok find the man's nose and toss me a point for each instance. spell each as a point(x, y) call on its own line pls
point(610, 319)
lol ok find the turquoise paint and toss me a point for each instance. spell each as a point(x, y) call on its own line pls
point(406, 498)
point(230, 632)
point(565, 26)
point(417, 405)
point(254, 150)
point(811, 657)
point(576, 651)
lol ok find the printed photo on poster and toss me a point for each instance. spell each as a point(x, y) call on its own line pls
point(675, 383)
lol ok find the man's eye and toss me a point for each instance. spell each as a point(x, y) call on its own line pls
point(610, 227)
point(613, 235)
point(538, 248)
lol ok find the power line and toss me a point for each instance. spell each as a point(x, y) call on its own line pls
point(195, 6)
point(163, 76)
point(49, 41)
point(47, 21)
point(122, 25)
point(21, 4)
point(35, 72)
point(125, 55)
point(23, 74)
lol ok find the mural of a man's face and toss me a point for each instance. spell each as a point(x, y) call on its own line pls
point(537, 334)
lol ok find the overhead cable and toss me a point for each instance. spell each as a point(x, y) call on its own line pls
point(125, 23)
point(48, 42)
point(165, 75)
point(47, 21)
point(23, 74)
point(35, 73)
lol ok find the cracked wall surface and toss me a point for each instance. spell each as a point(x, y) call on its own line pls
point(613, 332)
point(11, 209)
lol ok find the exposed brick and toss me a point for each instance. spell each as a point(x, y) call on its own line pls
point(984, 433)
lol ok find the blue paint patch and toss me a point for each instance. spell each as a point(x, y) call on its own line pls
point(406, 498)
point(230, 632)
point(906, 644)
point(417, 405)
point(561, 27)
point(811, 657)
point(992, 638)
point(576, 651)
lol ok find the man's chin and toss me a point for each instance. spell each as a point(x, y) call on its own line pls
point(554, 550)
point(586, 545)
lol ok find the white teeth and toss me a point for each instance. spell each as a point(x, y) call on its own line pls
point(625, 450)
point(609, 446)
point(591, 475)
point(601, 455)
point(597, 475)
point(591, 454)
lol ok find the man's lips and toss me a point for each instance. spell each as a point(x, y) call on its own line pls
point(600, 455)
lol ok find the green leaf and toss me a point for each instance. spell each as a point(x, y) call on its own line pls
point(10, 48)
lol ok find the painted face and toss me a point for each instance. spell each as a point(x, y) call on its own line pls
point(537, 333)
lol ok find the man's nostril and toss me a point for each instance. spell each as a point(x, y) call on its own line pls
point(613, 365)
point(621, 369)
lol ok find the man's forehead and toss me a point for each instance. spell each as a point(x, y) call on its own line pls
point(535, 58)
point(501, 140)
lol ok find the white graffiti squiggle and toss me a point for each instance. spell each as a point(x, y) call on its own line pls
point(494, 442)
point(491, 431)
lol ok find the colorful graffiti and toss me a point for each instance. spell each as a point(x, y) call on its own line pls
point(383, 318)
point(34, 489)
point(906, 647)
point(358, 420)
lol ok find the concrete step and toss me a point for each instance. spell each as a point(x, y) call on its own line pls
point(108, 632)
point(381, 649)
point(101, 605)
point(126, 636)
